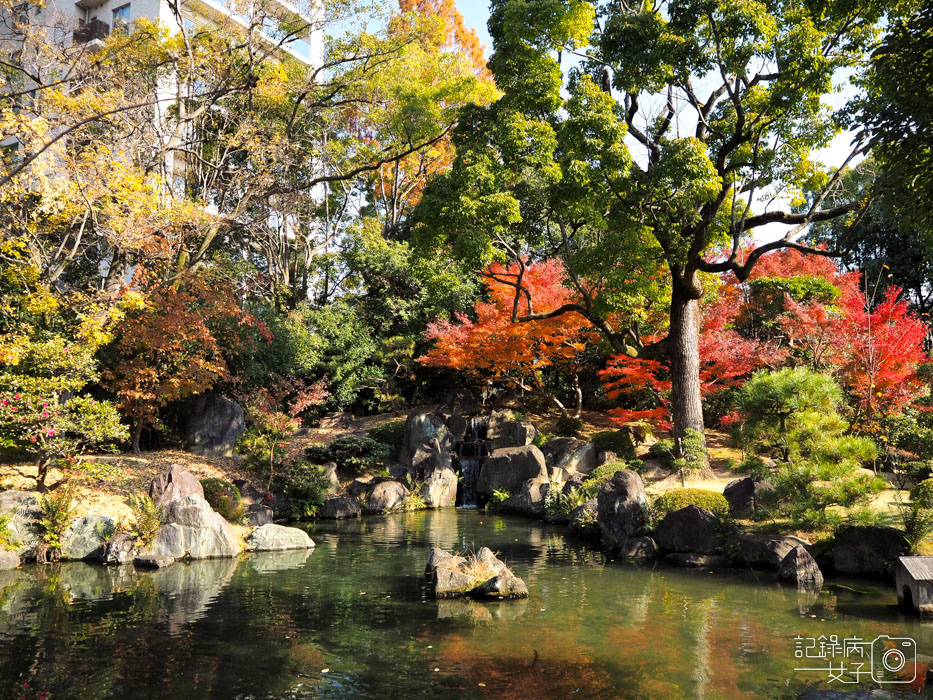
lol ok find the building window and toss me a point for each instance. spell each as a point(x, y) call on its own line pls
point(121, 16)
point(300, 47)
point(190, 24)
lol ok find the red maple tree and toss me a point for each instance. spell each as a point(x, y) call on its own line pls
point(492, 347)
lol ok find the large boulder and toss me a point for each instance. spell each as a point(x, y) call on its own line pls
point(690, 529)
point(258, 515)
point(755, 549)
point(481, 575)
point(172, 484)
point(270, 537)
point(24, 512)
point(530, 498)
point(509, 468)
point(214, 425)
point(439, 488)
point(86, 536)
point(512, 434)
point(421, 427)
point(800, 567)
point(571, 454)
point(743, 495)
point(430, 457)
point(620, 508)
point(867, 549)
point(340, 507)
point(191, 528)
point(385, 497)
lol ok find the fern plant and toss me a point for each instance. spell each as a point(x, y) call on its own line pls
point(147, 518)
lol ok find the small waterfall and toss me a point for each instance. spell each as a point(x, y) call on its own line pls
point(470, 456)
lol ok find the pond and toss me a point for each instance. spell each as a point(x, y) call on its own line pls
point(353, 618)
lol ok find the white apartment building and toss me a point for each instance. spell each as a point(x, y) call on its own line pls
point(95, 19)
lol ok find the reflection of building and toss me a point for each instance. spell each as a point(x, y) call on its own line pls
point(95, 19)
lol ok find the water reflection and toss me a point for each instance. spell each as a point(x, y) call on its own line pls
point(353, 618)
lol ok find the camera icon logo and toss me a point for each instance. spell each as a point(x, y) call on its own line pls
point(893, 659)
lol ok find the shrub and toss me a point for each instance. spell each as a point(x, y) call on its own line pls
point(712, 501)
point(498, 496)
point(391, 433)
point(6, 535)
point(922, 494)
point(223, 497)
point(304, 485)
point(791, 414)
point(567, 426)
point(58, 510)
point(352, 453)
point(618, 441)
point(147, 518)
point(663, 451)
point(413, 501)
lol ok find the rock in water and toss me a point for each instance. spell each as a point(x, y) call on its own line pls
point(385, 497)
point(481, 575)
point(86, 537)
point(191, 528)
point(272, 537)
point(867, 549)
point(690, 529)
point(439, 489)
point(620, 508)
point(754, 549)
point(800, 567)
point(24, 512)
point(214, 425)
point(172, 484)
point(119, 549)
point(340, 507)
point(509, 468)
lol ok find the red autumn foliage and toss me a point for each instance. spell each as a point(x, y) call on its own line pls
point(874, 352)
point(495, 348)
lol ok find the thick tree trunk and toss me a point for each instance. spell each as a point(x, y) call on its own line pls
point(684, 355)
point(683, 349)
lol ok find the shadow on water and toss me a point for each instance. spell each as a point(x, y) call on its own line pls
point(353, 618)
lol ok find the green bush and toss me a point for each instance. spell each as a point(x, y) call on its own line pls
point(7, 541)
point(304, 485)
point(391, 433)
point(352, 453)
point(223, 497)
point(147, 518)
point(791, 414)
point(663, 451)
point(922, 494)
point(618, 441)
point(58, 510)
point(712, 501)
point(567, 426)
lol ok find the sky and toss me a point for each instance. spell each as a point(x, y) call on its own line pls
point(475, 13)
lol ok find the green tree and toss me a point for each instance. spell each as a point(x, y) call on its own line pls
point(722, 103)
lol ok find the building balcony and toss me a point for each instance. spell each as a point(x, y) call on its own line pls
point(87, 32)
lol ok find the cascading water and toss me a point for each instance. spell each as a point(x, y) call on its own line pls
point(470, 455)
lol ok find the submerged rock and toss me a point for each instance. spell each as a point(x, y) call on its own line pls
point(152, 561)
point(191, 528)
point(273, 537)
point(690, 529)
point(692, 560)
point(119, 549)
point(8, 559)
point(481, 575)
point(756, 549)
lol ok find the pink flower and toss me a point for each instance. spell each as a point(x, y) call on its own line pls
point(45, 414)
point(51, 432)
point(16, 396)
point(44, 405)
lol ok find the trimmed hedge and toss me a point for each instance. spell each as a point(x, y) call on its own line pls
point(223, 497)
point(712, 501)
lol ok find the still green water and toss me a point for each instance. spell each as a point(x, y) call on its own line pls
point(353, 618)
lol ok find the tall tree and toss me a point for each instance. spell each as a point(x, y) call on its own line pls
point(653, 153)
